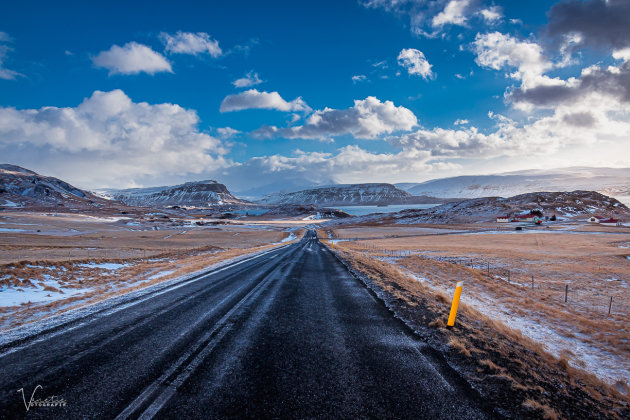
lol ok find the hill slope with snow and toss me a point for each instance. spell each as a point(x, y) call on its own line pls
point(614, 182)
point(20, 187)
point(560, 204)
point(342, 195)
point(197, 194)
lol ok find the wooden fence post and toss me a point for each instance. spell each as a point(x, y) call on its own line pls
point(566, 292)
point(610, 305)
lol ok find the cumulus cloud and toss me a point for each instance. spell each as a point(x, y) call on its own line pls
point(227, 132)
point(612, 82)
point(499, 51)
point(415, 62)
point(492, 15)
point(132, 58)
point(349, 164)
point(191, 43)
point(431, 17)
point(453, 14)
point(253, 99)
point(5, 73)
point(599, 23)
point(579, 123)
point(109, 140)
point(368, 118)
point(250, 79)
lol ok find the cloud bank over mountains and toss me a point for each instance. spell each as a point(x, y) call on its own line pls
point(565, 90)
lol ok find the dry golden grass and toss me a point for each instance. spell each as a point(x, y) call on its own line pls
point(68, 256)
point(105, 284)
point(594, 266)
point(545, 411)
point(507, 356)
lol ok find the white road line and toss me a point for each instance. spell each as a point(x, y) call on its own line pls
point(118, 308)
point(166, 394)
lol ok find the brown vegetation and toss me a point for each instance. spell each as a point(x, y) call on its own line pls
point(512, 371)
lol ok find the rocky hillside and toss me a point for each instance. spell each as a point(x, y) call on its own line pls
point(610, 181)
point(347, 195)
point(561, 204)
point(20, 187)
point(196, 194)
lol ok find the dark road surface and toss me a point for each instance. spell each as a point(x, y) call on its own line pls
point(287, 334)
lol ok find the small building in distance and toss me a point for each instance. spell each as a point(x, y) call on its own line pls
point(525, 218)
point(595, 218)
point(503, 219)
point(610, 222)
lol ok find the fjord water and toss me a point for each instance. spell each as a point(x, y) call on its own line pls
point(363, 210)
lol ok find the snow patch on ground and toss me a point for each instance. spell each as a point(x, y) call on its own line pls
point(606, 366)
point(104, 266)
point(37, 294)
point(161, 274)
point(288, 238)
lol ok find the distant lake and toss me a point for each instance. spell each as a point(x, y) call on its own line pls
point(363, 210)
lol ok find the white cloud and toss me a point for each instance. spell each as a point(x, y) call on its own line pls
point(5, 73)
point(227, 132)
point(250, 79)
point(581, 123)
point(498, 51)
point(349, 164)
point(368, 118)
point(415, 62)
point(132, 58)
point(453, 14)
point(491, 15)
point(461, 122)
point(623, 54)
point(191, 43)
point(109, 140)
point(359, 78)
point(253, 99)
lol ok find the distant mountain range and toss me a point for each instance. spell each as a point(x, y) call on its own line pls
point(561, 204)
point(348, 195)
point(609, 181)
point(197, 194)
point(20, 187)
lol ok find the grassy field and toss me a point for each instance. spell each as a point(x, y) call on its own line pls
point(56, 262)
point(497, 268)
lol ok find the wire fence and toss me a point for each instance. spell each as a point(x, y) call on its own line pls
point(564, 292)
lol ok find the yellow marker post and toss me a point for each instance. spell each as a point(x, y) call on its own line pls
point(332, 244)
point(455, 305)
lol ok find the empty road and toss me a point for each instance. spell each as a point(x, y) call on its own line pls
point(287, 334)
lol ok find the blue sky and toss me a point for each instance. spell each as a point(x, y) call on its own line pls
point(161, 73)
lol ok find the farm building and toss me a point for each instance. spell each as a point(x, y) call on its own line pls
point(503, 219)
point(595, 219)
point(525, 218)
point(610, 222)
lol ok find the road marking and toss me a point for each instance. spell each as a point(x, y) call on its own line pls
point(208, 341)
point(90, 317)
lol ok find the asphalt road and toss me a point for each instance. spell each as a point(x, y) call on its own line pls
point(288, 334)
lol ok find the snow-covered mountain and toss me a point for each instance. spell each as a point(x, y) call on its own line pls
point(561, 204)
point(614, 182)
point(342, 195)
point(197, 194)
point(20, 187)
